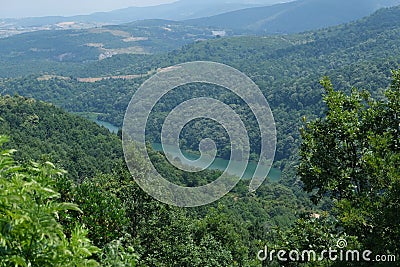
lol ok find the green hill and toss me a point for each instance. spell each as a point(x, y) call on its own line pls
point(79, 52)
point(42, 132)
point(119, 218)
point(296, 16)
point(122, 219)
point(287, 69)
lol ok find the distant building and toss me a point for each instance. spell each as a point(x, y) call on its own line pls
point(219, 33)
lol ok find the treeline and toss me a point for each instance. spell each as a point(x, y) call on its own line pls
point(286, 68)
point(348, 163)
point(121, 220)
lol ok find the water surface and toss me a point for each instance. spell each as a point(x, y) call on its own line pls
point(219, 163)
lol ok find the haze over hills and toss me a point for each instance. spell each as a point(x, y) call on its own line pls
point(240, 17)
point(141, 37)
point(297, 16)
point(179, 10)
point(155, 36)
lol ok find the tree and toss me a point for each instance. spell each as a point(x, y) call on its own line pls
point(317, 232)
point(30, 234)
point(353, 156)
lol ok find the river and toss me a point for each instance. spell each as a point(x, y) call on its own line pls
point(218, 164)
point(109, 126)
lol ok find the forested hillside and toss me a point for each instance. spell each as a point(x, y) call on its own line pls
point(74, 51)
point(338, 148)
point(286, 68)
point(42, 132)
point(294, 16)
point(116, 223)
point(121, 220)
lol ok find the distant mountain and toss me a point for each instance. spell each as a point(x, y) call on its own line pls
point(80, 45)
point(179, 10)
point(294, 17)
point(72, 50)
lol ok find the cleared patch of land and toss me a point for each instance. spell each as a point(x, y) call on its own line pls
point(97, 79)
point(135, 39)
point(49, 77)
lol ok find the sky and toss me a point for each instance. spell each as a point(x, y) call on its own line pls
point(38, 8)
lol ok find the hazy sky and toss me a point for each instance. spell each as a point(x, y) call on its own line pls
point(30, 8)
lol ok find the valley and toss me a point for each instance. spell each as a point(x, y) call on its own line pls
point(329, 70)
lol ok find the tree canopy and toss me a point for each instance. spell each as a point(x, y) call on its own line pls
point(352, 156)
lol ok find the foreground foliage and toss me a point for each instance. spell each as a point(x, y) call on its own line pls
point(30, 234)
point(352, 156)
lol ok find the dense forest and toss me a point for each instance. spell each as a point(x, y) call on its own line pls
point(114, 223)
point(286, 68)
point(118, 215)
point(68, 199)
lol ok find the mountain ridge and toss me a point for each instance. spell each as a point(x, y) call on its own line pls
point(294, 17)
point(179, 10)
